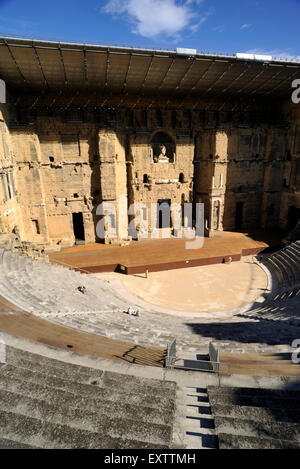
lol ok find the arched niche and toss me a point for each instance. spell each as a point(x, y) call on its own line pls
point(163, 148)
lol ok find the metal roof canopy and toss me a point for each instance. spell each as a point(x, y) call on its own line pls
point(47, 65)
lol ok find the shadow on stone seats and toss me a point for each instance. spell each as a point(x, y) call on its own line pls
point(256, 418)
point(260, 331)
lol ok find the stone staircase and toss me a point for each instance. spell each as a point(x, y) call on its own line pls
point(196, 418)
point(46, 403)
point(252, 418)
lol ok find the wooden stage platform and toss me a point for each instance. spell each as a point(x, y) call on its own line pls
point(160, 254)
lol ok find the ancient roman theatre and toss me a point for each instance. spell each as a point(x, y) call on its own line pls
point(109, 157)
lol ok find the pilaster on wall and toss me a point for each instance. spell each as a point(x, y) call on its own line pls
point(29, 180)
point(275, 156)
point(211, 150)
point(219, 180)
point(112, 153)
point(10, 216)
point(290, 202)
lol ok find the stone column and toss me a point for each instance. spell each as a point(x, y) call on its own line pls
point(113, 179)
point(218, 186)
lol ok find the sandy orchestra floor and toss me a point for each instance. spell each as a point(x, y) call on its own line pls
point(211, 288)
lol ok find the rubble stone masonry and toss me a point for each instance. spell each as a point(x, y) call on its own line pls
point(59, 161)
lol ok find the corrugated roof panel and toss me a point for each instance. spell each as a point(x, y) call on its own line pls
point(138, 71)
point(74, 67)
point(197, 70)
point(28, 64)
point(96, 68)
point(175, 74)
point(157, 72)
point(52, 67)
point(118, 67)
point(211, 75)
point(8, 70)
point(64, 65)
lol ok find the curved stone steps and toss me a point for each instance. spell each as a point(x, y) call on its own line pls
point(46, 403)
point(39, 287)
point(255, 418)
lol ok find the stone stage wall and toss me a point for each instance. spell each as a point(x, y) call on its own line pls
point(59, 160)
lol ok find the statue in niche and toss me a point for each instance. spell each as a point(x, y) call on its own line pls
point(162, 157)
point(163, 148)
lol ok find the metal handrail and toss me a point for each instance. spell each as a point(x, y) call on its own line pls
point(217, 370)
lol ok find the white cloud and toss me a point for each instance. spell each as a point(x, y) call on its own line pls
point(218, 29)
point(246, 26)
point(202, 20)
point(159, 18)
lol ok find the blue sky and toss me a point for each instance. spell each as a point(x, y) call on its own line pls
point(263, 26)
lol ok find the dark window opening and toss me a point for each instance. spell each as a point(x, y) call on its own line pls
point(145, 179)
point(78, 226)
point(181, 178)
point(74, 115)
point(8, 187)
point(293, 217)
point(75, 196)
point(159, 118)
point(285, 184)
point(36, 227)
point(239, 215)
point(270, 210)
point(174, 119)
point(51, 159)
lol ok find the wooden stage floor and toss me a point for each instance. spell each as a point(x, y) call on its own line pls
point(160, 254)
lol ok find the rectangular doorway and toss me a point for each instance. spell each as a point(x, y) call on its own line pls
point(293, 217)
point(163, 213)
point(239, 215)
point(78, 227)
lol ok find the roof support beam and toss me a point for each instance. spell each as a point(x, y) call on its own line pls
point(127, 73)
point(167, 72)
point(185, 74)
point(263, 84)
point(86, 79)
point(220, 76)
point(252, 79)
point(107, 68)
point(203, 75)
point(281, 82)
point(16, 63)
point(40, 65)
point(148, 71)
point(63, 65)
point(237, 78)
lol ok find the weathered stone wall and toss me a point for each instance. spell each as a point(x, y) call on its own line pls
point(9, 197)
point(290, 183)
point(170, 179)
point(55, 163)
